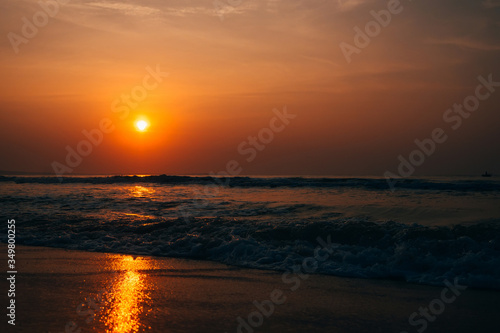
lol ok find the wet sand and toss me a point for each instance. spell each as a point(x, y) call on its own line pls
point(67, 291)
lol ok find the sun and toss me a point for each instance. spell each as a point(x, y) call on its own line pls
point(141, 125)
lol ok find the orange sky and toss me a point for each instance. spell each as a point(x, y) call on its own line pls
point(226, 77)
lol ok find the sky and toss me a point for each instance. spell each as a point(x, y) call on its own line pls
point(356, 101)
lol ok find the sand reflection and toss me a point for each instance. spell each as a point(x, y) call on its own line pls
point(128, 301)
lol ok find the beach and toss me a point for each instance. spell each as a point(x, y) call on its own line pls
point(156, 294)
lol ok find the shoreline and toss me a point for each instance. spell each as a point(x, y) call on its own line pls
point(109, 292)
point(238, 267)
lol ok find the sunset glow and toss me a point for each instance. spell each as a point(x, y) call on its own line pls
point(219, 72)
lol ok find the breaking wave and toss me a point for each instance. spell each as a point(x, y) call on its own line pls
point(364, 249)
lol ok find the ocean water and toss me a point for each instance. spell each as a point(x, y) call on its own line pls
point(425, 231)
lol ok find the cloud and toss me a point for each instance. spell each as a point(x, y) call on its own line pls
point(490, 3)
point(466, 43)
point(173, 9)
point(125, 8)
point(348, 5)
point(319, 60)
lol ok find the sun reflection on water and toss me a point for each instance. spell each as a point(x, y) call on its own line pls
point(127, 301)
point(141, 191)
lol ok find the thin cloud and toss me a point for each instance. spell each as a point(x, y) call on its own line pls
point(320, 60)
point(125, 8)
point(348, 5)
point(490, 3)
point(170, 10)
point(466, 43)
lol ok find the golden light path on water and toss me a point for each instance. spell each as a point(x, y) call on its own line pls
point(129, 298)
point(141, 191)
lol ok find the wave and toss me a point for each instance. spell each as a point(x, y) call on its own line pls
point(274, 182)
point(359, 248)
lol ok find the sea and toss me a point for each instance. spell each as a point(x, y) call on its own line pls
point(424, 230)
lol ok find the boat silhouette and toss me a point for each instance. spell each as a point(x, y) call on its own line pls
point(486, 174)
